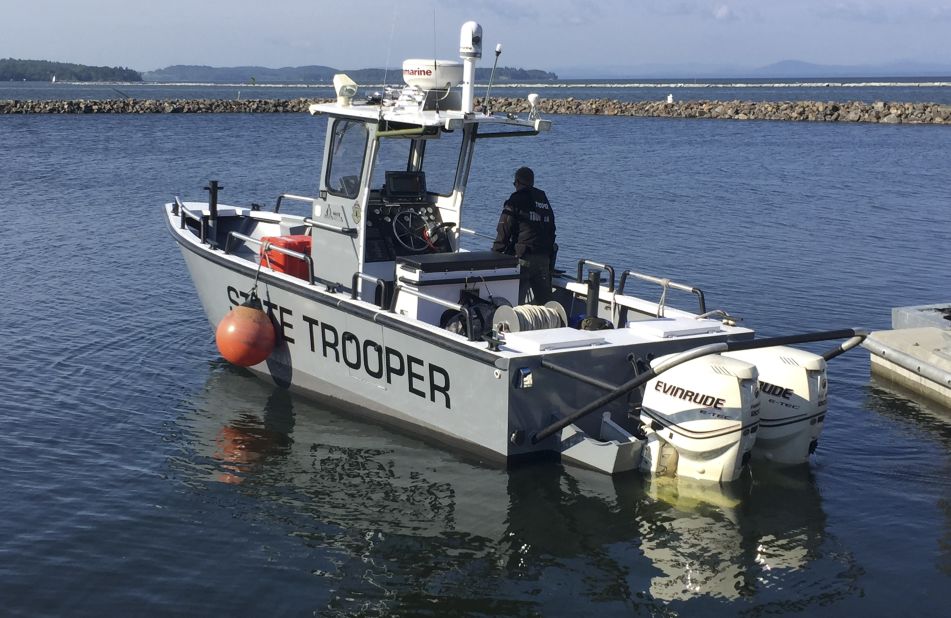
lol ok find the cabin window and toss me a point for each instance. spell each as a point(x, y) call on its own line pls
point(440, 157)
point(440, 160)
point(347, 149)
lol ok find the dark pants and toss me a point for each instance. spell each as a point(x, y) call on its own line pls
point(536, 276)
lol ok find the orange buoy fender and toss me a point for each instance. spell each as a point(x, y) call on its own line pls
point(245, 336)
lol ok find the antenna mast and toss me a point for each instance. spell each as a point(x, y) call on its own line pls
point(485, 104)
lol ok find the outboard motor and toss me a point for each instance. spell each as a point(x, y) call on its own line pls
point(701, 418)
point(793, 402)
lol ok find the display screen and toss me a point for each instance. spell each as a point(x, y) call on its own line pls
point(408, 186)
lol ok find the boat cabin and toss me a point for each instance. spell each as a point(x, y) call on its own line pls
point(387, 216)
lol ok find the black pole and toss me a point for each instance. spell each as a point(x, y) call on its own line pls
point(860, 336)
point(728, 346)
point(212, 190)
point(594, 289)
point(594, 405)
point(769, 342)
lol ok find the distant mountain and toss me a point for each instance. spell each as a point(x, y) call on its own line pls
point(313, 75)
point(241, 75)
point(787, 69)
point(12, 69)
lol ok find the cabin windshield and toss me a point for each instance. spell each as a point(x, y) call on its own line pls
point(437, 156)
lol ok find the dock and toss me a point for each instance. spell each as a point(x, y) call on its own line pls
point(916, 352)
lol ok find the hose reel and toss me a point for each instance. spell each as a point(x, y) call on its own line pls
point(529, 317)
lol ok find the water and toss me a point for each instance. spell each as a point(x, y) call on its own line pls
point(143, 475)
point(867, 90)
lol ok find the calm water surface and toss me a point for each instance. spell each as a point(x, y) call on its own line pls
point(142, 475)
point(905, 89)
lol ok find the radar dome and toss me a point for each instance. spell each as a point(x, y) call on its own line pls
point(432, 74)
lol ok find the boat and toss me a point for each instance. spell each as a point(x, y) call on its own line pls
point(372, 302)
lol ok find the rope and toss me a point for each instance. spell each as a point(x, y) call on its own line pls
point(535, 317)
point(663, 298)
point(264, 251)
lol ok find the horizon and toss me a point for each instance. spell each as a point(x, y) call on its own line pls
point(610, 37)
point(782, 71)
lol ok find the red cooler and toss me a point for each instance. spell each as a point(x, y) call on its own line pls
point(285, 263)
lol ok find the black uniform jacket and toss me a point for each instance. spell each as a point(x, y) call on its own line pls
point(527, 224)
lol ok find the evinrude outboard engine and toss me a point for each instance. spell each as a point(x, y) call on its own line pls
point(701, 419)
point(793, 402)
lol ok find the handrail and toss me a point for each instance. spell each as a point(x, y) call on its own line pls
point(401, 132)
point(610, 269)
point(365, 277)
point(183, 212)
point(269, 246)
point(291, 196)
point(444, 303)
point(346, 231)
point(465, 230)
point(665, 283)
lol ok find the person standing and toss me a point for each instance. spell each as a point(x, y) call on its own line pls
point(527, 230)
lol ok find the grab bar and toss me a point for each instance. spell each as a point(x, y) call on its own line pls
point(365, 277)
point(346, 231)
point(179, 209)
point(665, 283)
point(610, 269)
point(290, 196)
point(438, 301)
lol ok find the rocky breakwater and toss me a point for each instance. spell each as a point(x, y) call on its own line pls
point(806, 111)
point(156, 106)
point(814, 111)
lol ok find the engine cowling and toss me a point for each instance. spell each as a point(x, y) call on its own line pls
point(793, 402)
point(707, 411)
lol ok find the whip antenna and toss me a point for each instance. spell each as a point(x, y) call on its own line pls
point(386, 67)
point(498, 52)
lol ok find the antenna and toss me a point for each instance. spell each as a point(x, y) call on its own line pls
point(485, 104)
point(386, 69)
point(435, 61)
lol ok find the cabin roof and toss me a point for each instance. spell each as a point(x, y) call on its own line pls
point(414, 115)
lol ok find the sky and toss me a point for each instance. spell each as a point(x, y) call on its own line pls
point(569, 37)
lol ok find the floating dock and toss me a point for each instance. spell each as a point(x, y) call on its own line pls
point(916, 353)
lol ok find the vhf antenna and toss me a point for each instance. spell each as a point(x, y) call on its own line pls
point(485, 105)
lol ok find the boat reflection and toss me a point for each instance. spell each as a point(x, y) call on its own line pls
point(391, 508)
point(761, 540)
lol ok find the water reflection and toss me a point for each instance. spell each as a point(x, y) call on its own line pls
point(901, 405)
point(248, 441)
point(394, 523)
point(898, 403)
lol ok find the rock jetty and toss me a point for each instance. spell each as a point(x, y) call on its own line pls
point(805, 111)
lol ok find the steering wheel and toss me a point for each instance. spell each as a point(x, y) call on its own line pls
point(437, 235)
point(411, 230)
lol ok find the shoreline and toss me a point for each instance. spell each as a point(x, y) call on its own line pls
point(879, 112)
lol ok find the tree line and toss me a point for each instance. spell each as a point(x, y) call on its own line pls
point(12, 69)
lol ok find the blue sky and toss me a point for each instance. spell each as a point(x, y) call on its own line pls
point(566, 36)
